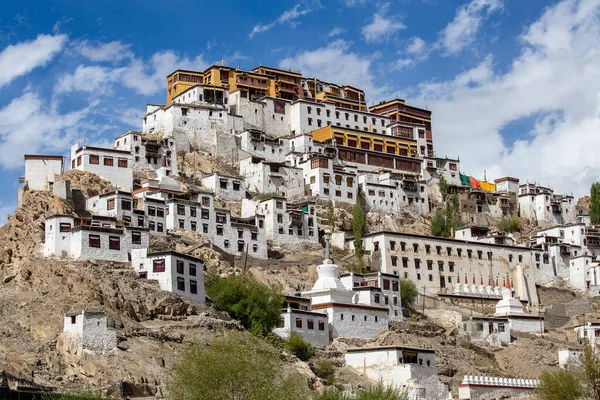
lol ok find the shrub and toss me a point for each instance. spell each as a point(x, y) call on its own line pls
point(325, 371)
point(509, 224)
point(257, 306)
point(298, 347)
point(559, 384)
point(236, 366)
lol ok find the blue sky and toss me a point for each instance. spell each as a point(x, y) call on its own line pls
point(513, 85)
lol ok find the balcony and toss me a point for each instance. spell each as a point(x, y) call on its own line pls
point(410, 186)
point(250, 83)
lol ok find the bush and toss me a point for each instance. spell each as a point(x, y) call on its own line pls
point(236, 366)
point(559, 384)
point(257, 306)
point(408, 293)
point(377, 392)
point(298, 347)
point(325, 371)
point(509, 224)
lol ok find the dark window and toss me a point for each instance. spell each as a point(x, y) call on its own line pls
point(192, 211)
point(65, 227)
point(180, 267)
point(310, 324)
point(181, 284)
point(151, 211)
point(299, 323)
point(159, 227)
point(94, 159)
point(94, 241)
point(193, 226)
point(122, 163)
point(136, 237)
point(160, 212)
point(321, 325)
point(126, 204)
point(158, 265)
point(193, 287)
point(180, 209)
point(108, 161)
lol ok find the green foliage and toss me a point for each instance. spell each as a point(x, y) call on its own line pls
point(377, 392)
point(325, 371)
point(330, 216)
point(590, 371)
point(408, 292)
point(446, 220)
point(257, 306)
point(266, 196)
point(236, 366)
point(594, 210)
point(443, 185)
point(298, 347)
point(359, 228)
point(509, 224)
point(76, 395)
point(559, 384)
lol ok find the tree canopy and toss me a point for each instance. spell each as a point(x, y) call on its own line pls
point(236, 366)
point(594, 210)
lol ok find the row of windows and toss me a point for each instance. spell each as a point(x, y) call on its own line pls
point(417, 263)
point(337, 178)
point(365, 318)
point(125, 204)
point(107, 161)
point(439, 250)
point(299, 231)
point(346, 116)
point(241, 246)
point(386, 300)
point(310, 324)
point(338, 193)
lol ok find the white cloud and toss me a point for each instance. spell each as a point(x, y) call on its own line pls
point(334, 63)
point(382, 25)
point(555, 80)
point(463, 29)
point(336, 31)
point(354, 3)
point(91, 79)
point(114, 51)
point(30, 125)
point(21, 58)
point(146, 77)
point(287, 17)
point(416, 53)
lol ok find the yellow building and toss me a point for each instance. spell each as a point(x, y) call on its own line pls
point(398, 110)
point(347, 97)
point(283, 84)
point(370, 148)
point(180, 81)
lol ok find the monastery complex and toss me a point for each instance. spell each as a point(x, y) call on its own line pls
point(293, 144)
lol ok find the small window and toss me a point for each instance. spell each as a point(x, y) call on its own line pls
point(94, 241)
point(158, 265)
point(136, 237)
point(181, 284)
point(108, 161)
point(180, 266)
point(299, 323)
point(114, 243)
point(110, 204)
point(321, 325)
point(122, 163)
point(65, 227)
point(310, 324)
point(94, 159)
point(193, 287)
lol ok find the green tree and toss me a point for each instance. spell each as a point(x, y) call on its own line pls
point(298, 346)
point(408, 292)
point(590, 371)
point(443, 185)
point(509, 224)
point(256, 305)
point(594, 210)
point(559, 384)
point(359, 228)
point(377, 392)
point(331, 216)
point(447, 219)
point(237, 366)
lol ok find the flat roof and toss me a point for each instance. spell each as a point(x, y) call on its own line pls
point(102, 149)
point(382, 348)
point(174, 253)
point(42, 157)
point(277, 69)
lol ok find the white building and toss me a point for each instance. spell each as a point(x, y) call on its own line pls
point(440, 264)
point(434, 168)
point(269, 177)
point(376, 289)
point(40, 171)
point(204, 127)
point(512, 309)
point(113, 165)
point(389, 193)
point(226, 187)
point(267, 114)
point(569, 357)
point(255, 143)
point(347, 318)
point(312, 326)
point(149, 153)
point(65, 238)
point(589, 332)
point(538, 203)
point(324, 180)
point(396, 366)
point(492, 387)
point(492, 331)
point(89, 330)
point(119, 205)
point(287, 224)
point(177, 273)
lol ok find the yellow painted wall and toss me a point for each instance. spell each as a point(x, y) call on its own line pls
point(329, 132)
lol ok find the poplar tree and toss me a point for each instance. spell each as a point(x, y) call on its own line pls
point(594, 210)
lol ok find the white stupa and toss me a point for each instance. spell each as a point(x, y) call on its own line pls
point(509, 305)
point(329, 288)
